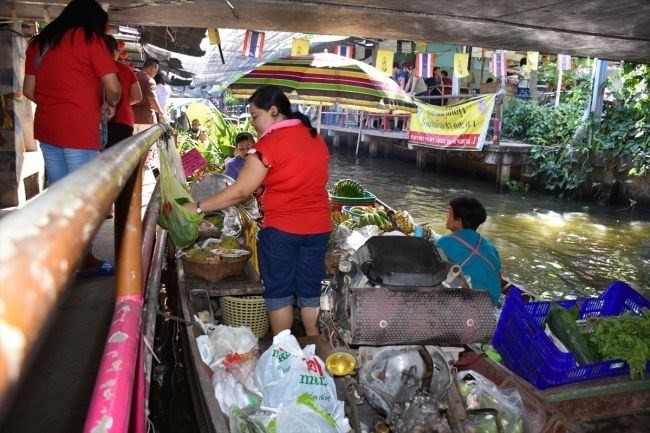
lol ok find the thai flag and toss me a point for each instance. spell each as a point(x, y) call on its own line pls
point(499, 63)
point(345, 51)
point(253, 44)
point(424, 64)
point(563, 62)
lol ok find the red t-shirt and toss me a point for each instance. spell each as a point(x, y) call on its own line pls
point(123, 112)
point(294, 195)
point(68, 90)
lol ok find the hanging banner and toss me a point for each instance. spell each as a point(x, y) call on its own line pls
point(499, 64)
point(532, 60)
point(563, 62)
point(345, 50)
point(253, 44)
point(461, 126)
point(420, 46)
point(299, 47)
point(460, 65)
point(384, 62)
point(424, 64)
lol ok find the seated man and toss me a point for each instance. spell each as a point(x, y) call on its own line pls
point(243, 142)
point(476, 255)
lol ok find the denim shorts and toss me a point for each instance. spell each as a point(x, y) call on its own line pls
point(291, 266)
point(60, 161)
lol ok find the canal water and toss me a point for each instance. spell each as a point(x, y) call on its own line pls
point(550, 246)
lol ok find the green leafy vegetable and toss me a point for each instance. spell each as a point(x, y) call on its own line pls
point(625, 337)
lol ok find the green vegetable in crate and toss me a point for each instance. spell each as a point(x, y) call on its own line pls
point(564, 327)
point(347, 188)
point(625, 337)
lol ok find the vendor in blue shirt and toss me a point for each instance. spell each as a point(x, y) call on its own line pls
point(243, 143)
point(476, 255)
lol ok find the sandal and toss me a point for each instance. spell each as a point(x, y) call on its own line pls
point(106, 269)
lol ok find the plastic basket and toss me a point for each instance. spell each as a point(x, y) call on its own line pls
point(525, 348)
point(368, 199)
point(245, 311)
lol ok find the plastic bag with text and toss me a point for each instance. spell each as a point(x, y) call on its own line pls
point(183, 225)
point(285, 371)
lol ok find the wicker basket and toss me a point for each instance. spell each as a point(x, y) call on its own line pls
point(217, 268)
point(245, 311)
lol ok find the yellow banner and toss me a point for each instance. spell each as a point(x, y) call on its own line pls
point(299, 47)
point(420, 46)
point(385, 62)
point(460, 64)
point(461, 126)
point(532, 60)
point(213, 36)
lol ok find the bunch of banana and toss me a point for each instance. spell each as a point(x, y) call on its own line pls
point(404, 221)
point(368, 215)
point(338, 217)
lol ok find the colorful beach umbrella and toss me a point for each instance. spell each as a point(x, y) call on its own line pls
point(326, 78)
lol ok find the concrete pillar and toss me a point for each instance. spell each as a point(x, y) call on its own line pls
point(372, 148)
point(440, 159)
point(421, 159)
point(336, 141)
point(503, 176)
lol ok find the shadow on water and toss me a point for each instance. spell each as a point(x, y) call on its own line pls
point(551, 246)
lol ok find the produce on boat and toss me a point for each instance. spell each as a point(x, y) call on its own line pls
point(394, 317)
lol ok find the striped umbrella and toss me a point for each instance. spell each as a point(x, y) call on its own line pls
point(326, 78)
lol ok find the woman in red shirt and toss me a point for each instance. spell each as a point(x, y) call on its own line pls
point(67, 67)
point(289, 163)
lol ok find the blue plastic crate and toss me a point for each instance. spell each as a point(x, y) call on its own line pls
point(525, 348)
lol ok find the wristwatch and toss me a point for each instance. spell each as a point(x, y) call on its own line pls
point(198, 207)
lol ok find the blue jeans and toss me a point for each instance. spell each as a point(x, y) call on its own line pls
point(292, 266)
point(60, 161)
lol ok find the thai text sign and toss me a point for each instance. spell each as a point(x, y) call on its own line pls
point(192, 161)
point(461, 126)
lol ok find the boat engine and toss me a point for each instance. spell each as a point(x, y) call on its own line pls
point(392, 303)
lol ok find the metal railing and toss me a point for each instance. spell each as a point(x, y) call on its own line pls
point(40, 246)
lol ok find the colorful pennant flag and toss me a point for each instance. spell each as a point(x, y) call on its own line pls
point(532, 60)
point(213, 36)
point(563, 62)
point(499, 64)
point(253, 44)
point(384, 61)
point(345, 50)
point(406, 46)
point(420, 46)
point(299, 47)
point(424, 64)
point(460, 64)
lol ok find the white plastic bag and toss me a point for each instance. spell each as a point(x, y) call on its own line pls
point(285, 371)
point(231, 353)
point(304, 415)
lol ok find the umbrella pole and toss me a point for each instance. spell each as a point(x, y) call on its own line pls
point(359, 136)
point(320, 113)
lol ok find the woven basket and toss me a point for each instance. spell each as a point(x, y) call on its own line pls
point(245, 311)
point(217, 268)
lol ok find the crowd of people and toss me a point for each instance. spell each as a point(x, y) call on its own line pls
point(434, 90)
point(86, 98)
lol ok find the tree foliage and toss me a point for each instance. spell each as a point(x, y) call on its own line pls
point(567, 138)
